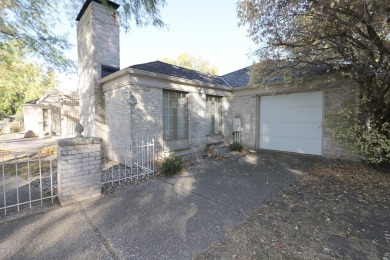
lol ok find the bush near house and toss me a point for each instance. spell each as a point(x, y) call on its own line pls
point(369, 141)
point(171, 165)
point(236, 147)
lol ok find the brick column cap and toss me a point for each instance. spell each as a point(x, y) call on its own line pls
point(79, 141)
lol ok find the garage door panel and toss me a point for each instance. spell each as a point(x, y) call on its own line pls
point(295, 145)
point(292, 100)
point(296, 114)
point(298, 130)
point(292, 122)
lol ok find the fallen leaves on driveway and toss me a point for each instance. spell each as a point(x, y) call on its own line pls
point(338, 211)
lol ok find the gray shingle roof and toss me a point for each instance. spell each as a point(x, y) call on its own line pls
point(180, 72)
point(238, 78)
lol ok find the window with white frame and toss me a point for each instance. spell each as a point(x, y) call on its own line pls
point(214, 115)
point(175, 115)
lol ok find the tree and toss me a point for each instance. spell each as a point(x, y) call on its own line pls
point(20, 81)
point(349, 37)
point(192, 62)
point(31, 25)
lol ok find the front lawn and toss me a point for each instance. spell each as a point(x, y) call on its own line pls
point(341, 210)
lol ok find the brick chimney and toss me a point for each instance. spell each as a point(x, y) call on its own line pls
point(98, 52)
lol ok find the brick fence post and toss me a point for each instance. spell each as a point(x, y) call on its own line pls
point(79, 169)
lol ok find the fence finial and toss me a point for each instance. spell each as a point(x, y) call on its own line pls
point(79, 129)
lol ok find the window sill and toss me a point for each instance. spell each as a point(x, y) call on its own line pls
point(174, 149)
point(176, 144)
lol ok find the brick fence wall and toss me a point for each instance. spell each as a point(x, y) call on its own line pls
point(79, 169)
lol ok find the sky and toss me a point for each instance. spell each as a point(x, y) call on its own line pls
point(208, 29)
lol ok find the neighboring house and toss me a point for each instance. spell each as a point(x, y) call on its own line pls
point(55, 113)
point(186, 110)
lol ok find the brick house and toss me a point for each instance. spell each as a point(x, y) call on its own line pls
point(186, 110)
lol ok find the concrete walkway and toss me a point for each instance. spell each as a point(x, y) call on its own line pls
point(163, 218)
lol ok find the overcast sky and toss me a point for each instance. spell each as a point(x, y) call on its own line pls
point(201, 28)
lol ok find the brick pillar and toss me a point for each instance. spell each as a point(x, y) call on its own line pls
point(79, 169)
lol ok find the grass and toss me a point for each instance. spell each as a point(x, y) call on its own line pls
point(25, 165)
point(24, 169)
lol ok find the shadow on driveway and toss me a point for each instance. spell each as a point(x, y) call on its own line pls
point(163, 218)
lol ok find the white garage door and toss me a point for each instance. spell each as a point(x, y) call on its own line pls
point(292, 122)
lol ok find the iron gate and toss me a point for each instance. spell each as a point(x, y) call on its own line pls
point(132, 162)
point(27, 180)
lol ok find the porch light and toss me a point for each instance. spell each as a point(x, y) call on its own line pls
point(128, 98)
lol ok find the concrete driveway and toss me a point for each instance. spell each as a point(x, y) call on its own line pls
point(163, 218)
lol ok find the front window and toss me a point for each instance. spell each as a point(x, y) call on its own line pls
point(175, 115)
point(214, 115)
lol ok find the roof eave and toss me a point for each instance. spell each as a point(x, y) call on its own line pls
point(161, 76)
point(57, 95)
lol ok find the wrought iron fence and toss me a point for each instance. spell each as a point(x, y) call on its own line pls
point(130, 163)
point(27, 180)
point(30, 178)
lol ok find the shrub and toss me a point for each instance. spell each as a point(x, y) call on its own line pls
point(171, 165)
point(50, 150)
point(19, 115)
point(236, 147)
point(29, 134)
point(15, 127)
point(369, 141)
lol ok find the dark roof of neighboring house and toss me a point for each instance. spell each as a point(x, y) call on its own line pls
point(32, 101)
point(52, 96)
point(238, 78)
point(180, 72)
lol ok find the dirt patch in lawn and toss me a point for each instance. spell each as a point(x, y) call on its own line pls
point(338, 211)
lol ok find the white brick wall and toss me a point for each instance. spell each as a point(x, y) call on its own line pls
point(244, 105)
point(125, 124)
point(146, 118)
point(79, 169)
point(244, 108)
